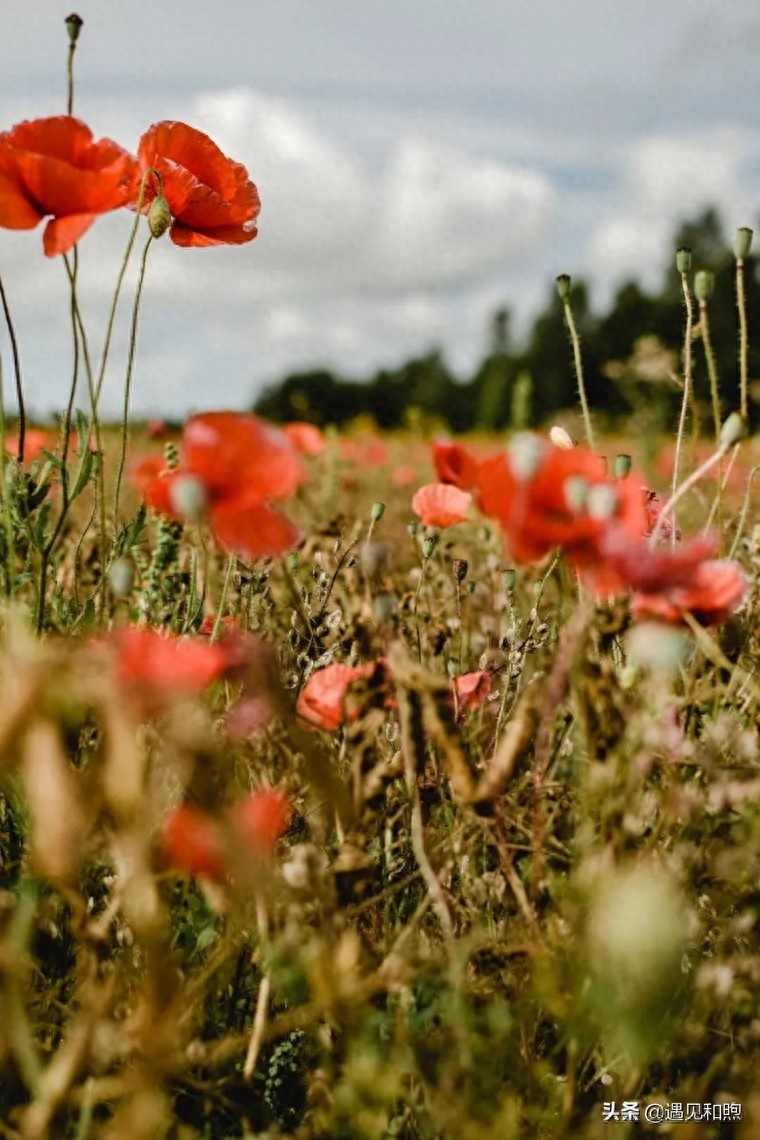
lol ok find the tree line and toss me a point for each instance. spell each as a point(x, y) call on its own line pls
point(631, 359)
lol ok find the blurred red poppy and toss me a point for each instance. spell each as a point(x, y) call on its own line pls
point(232, 464)
point(322, 699)
point(715, 590)
point(367, 453)
point(441, 504)
point(261, 818)
point(305, 438)
point(403, 475)
point(54, 168)
point(192, 842)
point(36, 440)
point(211, 198)
point(455, 463)
point(652, 570)
point(546, 497)
point(155, 667)
point(156, 429)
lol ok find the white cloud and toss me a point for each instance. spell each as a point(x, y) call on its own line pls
point(667, 178)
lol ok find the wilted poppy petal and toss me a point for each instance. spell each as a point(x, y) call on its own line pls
point(322, 699)
point(441, 504)
point(472, 689)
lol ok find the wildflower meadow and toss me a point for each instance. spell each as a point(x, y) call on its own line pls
point(359, 785)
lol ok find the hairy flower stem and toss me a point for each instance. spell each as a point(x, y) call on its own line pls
point(712, 369)
point(223, 598)
point(679, 492)
point(128, 382)
point(575, 340)
point(741, 305)
point(16, 372)
point(687, 366)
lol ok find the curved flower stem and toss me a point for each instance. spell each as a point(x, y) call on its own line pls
point(679, 492)
point(741, 305)
point(17, 373)
point(684, 404)
point(223, 597)
point(745, 510)
point(150, 172)
point(128, 382)
point(575, 340)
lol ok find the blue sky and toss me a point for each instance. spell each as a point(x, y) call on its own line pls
point(418, 161)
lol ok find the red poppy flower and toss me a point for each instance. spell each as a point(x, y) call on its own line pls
point(261, 818)
point(322, 699)
point(211, 198)
point(653, 570)
point(456, 464)
point(232, 464)
point(54, 168)
point(715, 590)
point(192, 842)
point(472, 689)
point(156, 429)
point(305, 438)
point(441, 504)
point(546, 497)
point(156, 667)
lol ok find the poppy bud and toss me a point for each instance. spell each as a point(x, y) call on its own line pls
point(188, 496)
point(159, 216)
point(742, 243)
point(564, 281)
point(734, 430)
point(73, 26)
point(377, 512)
point(413, 528)
point(704, 283)
point(121, 577)
point(460, 568)
point(575, 491)
point(525, 452)
point(683, 260)
point(602, 501)
point(560, 438)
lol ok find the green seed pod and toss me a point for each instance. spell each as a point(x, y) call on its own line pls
point(429, 546)
point(742, 243)
point(564, 282)
point(683, 260)
point(159, 216)
point(73, 26)
point(623, 464)
point(377, 512)
point(734, 430)
point(704, 283)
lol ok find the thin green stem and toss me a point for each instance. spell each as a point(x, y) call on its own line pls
point(741, 305)
point(17, 373)
point(575, 340)
point(10, 556)
point(687, 366)
point(744, 512)
point(712, 368)
point(120, 281)
point(128, 382)
point(223, 598)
